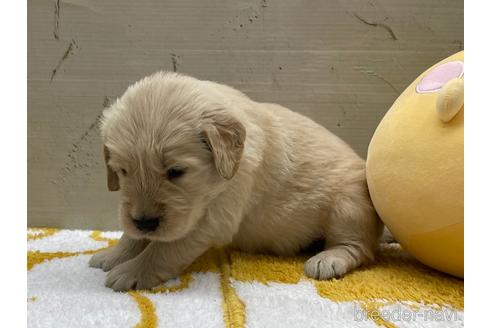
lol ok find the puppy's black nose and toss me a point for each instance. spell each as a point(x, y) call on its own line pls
point(146, 224)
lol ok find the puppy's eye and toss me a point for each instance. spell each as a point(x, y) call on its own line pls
point(175, 172)
point(123, 172)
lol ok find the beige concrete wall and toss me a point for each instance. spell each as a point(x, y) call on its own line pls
point(341, 63)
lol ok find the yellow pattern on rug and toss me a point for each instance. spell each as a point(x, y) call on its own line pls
point(148, 317)
point(234, 309)
point(36, 257)
point(395, 278)
point(40, 233)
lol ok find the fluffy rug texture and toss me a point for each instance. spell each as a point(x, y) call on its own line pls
point(225, 288)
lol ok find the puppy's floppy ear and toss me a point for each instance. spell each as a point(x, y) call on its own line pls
point(113, 180)
point(225, 137)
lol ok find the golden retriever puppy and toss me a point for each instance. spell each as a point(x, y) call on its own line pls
point(201, 165)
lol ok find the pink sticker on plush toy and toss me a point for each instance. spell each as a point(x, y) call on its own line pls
point(436, 78)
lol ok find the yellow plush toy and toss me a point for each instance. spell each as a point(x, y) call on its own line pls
point(415, 167)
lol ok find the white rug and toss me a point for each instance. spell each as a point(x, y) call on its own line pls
point(233, 289)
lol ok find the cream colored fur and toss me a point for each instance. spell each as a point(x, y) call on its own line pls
point(258, 176)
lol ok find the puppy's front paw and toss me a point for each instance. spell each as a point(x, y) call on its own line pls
point(132, 275)
point(332, 263)
point(97, 260)
point(106, 259)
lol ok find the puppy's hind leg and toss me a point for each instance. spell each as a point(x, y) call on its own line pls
point(352, 235)
point(126, 249)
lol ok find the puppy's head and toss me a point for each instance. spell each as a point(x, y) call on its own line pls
point(170, 148)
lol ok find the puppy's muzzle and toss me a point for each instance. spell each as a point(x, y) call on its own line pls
point(146, 224)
